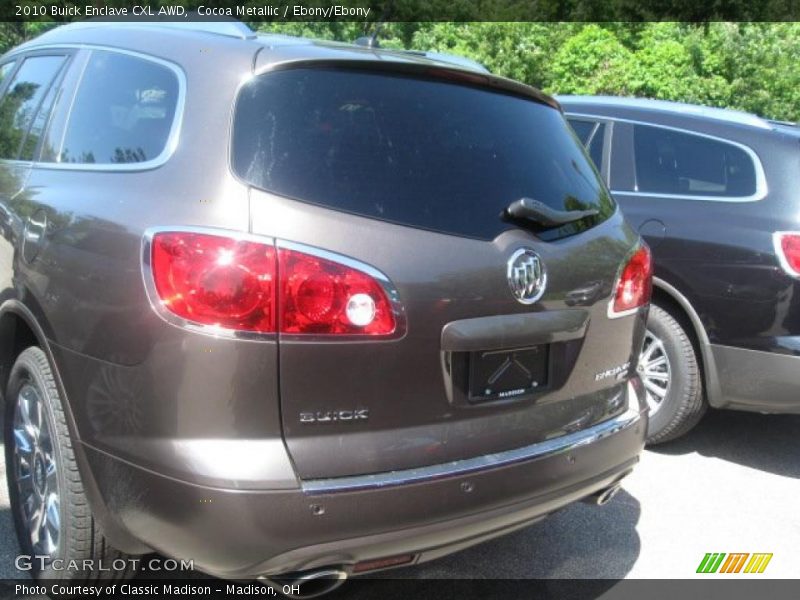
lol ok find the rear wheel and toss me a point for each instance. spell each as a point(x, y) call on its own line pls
point(51, 513)
point(670, 371)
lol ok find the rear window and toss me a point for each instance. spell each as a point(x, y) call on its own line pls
point(672, 162)
point(419, 152)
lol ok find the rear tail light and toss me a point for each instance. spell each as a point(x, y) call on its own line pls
point(244, 285)
point(634, 285)
point(321, 296)
point(216, 281)
point(787, 247)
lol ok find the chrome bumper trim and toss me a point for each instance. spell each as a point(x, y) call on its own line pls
point(547, 448)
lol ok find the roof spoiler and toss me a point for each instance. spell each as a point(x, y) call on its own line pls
point(453, 59)
point(460, 61)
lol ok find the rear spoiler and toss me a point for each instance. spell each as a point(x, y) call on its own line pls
point(433, 70)
point(453, 59)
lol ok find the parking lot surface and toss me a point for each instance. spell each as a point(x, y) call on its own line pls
point(732, 485)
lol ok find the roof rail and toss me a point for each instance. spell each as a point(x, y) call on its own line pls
point(710, 112)
point(232, 28)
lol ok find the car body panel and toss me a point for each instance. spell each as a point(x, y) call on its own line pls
point(430, 518)
point(412, 421)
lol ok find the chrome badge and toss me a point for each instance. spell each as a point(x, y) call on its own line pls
point(526, 276)
point(333, 416)
point(613, 372)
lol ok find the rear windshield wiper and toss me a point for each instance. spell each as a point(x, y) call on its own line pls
point(540, 213)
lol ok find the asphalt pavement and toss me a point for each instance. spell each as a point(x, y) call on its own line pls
point(731, 485)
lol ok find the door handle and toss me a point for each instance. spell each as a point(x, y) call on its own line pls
point(33, 235)
point(35, 227)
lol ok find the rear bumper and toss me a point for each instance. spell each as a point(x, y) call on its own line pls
point(242, 534)
point(756, 381)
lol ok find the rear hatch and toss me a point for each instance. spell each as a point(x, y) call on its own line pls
point(406, 172)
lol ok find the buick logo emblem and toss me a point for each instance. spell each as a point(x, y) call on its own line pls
point(526, 276)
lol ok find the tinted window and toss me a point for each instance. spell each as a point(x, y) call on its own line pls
point(5, 70)
point(37, 128)
point(425, 153)
point(583, 129)
point(596, 145)
point(671, 162)
point(123, 111)
point(21, 101)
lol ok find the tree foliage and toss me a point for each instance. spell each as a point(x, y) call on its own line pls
point(749, 66)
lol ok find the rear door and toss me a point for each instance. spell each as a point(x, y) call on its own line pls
point(406, 176)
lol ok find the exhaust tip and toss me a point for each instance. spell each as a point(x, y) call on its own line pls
point(306, 584)
point(604, 496)
point(607, 495)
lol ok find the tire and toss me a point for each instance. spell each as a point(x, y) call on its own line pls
point(70, 532)
point(668, 352)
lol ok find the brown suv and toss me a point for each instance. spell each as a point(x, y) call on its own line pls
point(295, 309)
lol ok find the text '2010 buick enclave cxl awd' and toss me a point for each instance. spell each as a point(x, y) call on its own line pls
point(286, 307)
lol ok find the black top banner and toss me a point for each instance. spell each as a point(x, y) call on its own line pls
point(403, 10)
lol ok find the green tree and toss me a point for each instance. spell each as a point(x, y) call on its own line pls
point(750, 66)
point(593, 61)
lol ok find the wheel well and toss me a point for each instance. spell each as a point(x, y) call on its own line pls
point(665, 301)
point(16, 335)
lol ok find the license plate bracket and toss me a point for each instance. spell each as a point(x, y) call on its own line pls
point(507, 374)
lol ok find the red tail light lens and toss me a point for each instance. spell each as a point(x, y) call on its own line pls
point(243, 285)
point(215, 280)
point(320, 296)
point(787, 247)
point(635, 283)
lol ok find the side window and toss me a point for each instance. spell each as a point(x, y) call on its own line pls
point(672, 162)
point(37, 128)
point(123, 111)
point(596, 145)
point(5, 70)
point(591, 134)
point(20, 103)
point(583, 129)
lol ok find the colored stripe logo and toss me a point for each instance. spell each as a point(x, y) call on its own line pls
point(736, 562)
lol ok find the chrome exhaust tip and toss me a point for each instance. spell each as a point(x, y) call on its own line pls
point(604, 496)
point(306, 584)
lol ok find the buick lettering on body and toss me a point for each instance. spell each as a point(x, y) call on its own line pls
point(344, 314)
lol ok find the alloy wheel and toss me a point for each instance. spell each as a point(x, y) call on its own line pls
point(654, 369)
point(35, 471)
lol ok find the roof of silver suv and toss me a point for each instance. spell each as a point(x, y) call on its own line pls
point(232, 40)
point(201, 31)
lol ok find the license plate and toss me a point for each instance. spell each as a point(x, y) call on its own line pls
point(501, 374)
